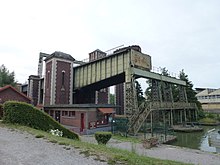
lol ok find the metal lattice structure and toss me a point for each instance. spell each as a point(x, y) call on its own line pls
point(124, 66)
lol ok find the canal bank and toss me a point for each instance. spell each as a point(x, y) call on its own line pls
point(166, 152)
point(207, 140)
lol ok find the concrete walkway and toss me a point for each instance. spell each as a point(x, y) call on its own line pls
point(167, 152)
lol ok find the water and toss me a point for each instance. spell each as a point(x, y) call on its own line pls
point(208, 140)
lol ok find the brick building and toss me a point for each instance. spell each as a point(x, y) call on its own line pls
point(53, 92)
point(9, 93)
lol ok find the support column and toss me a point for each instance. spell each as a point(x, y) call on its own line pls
point(131, 103)
point(164, 122)
point(171, 117)
point(151, 124)
point(181, 116)
point(184, 116)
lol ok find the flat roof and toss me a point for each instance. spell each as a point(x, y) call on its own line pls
point(81, 106)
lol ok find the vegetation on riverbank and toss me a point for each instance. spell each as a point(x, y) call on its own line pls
point(210, 119)
point(98, 152)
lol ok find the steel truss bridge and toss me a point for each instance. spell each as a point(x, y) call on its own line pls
point(125, 66)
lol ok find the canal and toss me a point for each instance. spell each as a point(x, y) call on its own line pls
point(207, 140)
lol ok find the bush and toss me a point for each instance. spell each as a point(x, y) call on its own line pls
point(207, 120)
point(1, 111)
point(103, 137)
point(25, 114)
point(210, 115)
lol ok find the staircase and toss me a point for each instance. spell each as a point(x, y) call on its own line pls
point(138, 118)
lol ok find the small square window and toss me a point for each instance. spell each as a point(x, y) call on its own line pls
point(65, 113)
point(72, 113)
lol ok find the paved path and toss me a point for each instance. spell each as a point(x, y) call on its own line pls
point(167, 152)
point(20, 148)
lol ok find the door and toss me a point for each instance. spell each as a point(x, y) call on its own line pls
point(57, 116)
point(82, 122)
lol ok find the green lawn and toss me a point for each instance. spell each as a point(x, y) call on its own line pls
point(98, 152)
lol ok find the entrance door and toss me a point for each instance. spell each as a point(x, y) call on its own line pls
point(82, 122)
point(57, 116)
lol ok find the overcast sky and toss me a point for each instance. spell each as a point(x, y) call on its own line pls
point(178, 34)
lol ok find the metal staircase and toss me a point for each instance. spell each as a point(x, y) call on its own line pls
point(144, 110)
point(138, 118)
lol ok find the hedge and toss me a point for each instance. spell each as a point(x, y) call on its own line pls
point(1, 111)
point(103, 137)
point(25, 114)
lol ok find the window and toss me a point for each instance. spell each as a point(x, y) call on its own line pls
point(72, 113)
point(65, 113)
point(63, 78)
point(48, 79)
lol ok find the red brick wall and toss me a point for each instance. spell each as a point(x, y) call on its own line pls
point(71, 121)
point(76, 121)
point(10, 94)
point(62, 90)
point(35, 90)
point(92, 116)
point(103, 96)
point(120, 98)
point(48, 83)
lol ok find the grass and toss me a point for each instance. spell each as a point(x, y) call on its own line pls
point(208, 120)
point(98, 152)
point(126, 139)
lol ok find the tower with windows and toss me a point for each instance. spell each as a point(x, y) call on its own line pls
point(58, 83)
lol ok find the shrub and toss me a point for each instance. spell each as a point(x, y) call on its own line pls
point(210, 115)
point(26, 114)
point(103, 137)
point(207, 120)
point(1, 111)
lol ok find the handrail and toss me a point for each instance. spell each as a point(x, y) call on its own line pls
point(138, 118)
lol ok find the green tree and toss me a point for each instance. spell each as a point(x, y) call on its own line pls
point(6, 77)
point(139, 91)
point(191, 94)
point(112, 98)
point(148, 91)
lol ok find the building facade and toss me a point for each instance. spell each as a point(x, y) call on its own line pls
point(210, 99)
point(54, 94)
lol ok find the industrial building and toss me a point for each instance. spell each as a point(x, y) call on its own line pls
point(76, 93)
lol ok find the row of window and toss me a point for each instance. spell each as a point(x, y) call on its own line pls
point(209, 97)
point(69, 113)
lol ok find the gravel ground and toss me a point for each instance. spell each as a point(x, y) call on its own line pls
point(20, 148)
point(166, 152)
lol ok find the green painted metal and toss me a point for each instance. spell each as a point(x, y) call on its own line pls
point(101, 69)
point(155, 76)
point(129, 62)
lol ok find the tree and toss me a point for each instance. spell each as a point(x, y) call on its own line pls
point(6, 77)
point(148, 91)
point(139, 91)
point(191, 94)
point(112, 98)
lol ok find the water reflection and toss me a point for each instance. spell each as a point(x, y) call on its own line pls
point(208, 140)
